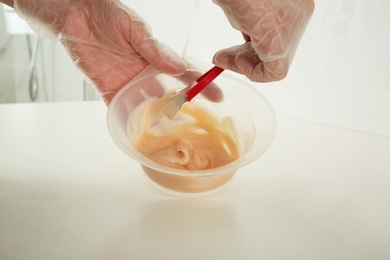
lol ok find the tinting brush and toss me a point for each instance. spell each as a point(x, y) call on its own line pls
point(176, 101)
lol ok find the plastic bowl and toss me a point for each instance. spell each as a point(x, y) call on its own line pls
point(253, 120)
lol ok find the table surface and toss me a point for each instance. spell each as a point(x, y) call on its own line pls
point(68, 192)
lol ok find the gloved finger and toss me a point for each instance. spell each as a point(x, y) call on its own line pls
point(243, 59)
point(156, 53)
point(160, 56)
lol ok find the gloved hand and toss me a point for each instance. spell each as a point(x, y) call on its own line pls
point(108, 41)
point(274, 28)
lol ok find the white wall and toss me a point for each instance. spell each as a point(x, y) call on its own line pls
point(340, 75)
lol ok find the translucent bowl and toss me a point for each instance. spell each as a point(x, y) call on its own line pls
point(252, 116)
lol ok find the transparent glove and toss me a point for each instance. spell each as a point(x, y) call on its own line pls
point(274, 28)
point(108, 41)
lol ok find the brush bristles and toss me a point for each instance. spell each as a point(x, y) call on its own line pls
point(173, 105)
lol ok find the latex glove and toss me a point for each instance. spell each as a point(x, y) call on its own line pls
point(108, 41)
point(274, 28)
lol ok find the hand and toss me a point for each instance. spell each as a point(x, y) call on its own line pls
point(274, 29)
point(107, 41)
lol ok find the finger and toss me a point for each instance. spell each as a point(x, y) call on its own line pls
point(244, 60)
point(226, 58)
point(155, 52)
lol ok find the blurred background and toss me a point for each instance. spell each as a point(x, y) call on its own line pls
point(340, 75)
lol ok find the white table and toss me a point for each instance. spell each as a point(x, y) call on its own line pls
point(67, 192)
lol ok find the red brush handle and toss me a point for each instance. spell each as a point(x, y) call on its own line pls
point(203, 81)
point(206, 79)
